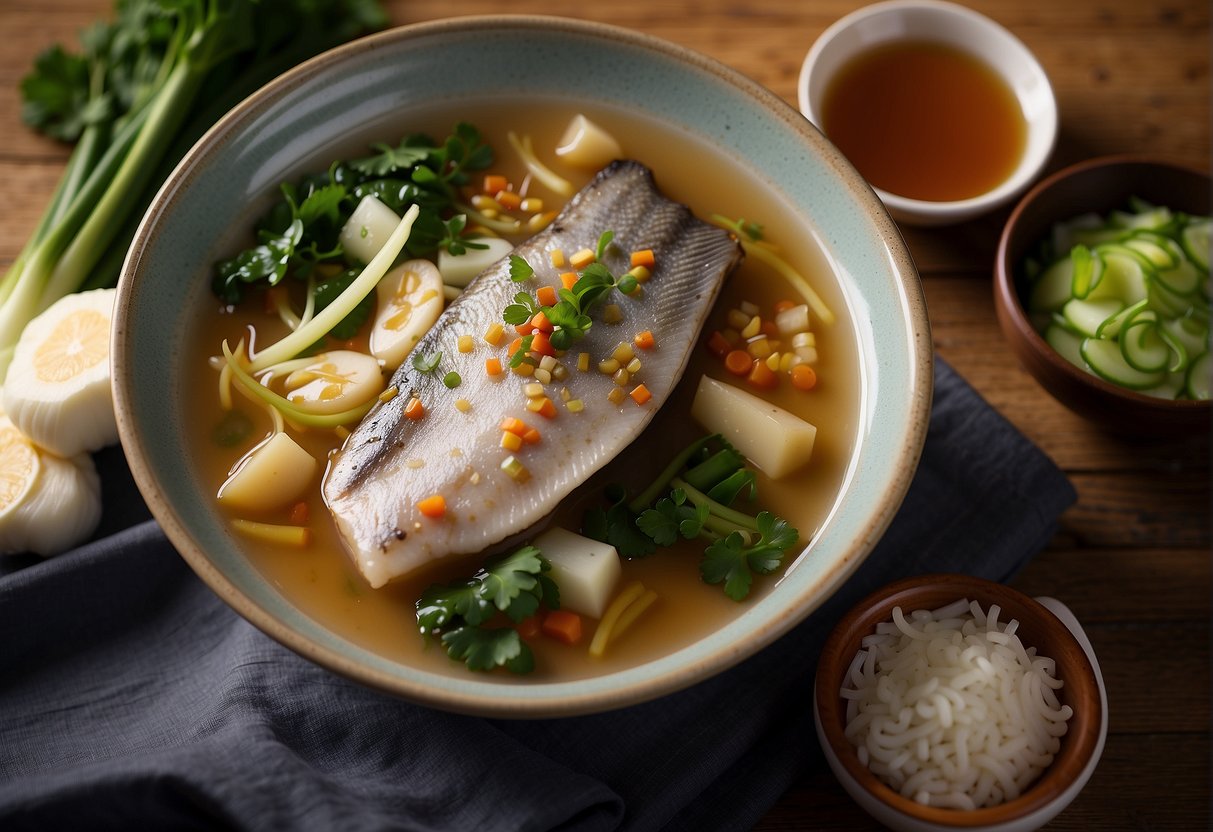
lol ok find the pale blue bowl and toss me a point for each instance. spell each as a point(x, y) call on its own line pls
point(344, 94)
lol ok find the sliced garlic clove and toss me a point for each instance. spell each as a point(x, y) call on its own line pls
point(410, 301)
point(335, 381)
point(368, 228)
point(47, 504)
point(57, 391)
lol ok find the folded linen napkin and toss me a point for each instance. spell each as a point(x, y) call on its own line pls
point(131, 697)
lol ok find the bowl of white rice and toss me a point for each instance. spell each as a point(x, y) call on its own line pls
point(952, 702)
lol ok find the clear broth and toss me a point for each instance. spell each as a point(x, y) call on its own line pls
point(322, 581)
point(925, 121)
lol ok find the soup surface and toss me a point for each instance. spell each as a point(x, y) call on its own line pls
point(925, 121)
point(321, 580)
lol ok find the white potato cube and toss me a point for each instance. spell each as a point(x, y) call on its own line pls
point(776, 441)
point(585, 570)
point(459, 269)
point(272, 475)
point(368, 228)
point(587, 145)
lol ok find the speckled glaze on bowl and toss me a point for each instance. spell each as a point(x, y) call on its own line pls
point(1044, 623)
point(1100, 185)
point(345, 93)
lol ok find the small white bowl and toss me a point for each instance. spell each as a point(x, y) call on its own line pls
point(959, 28)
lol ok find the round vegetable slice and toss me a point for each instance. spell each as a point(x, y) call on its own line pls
point(410, 301)
point(1142, 346)
point(1195, 239)
point(1105, 360)
point(1199, 372)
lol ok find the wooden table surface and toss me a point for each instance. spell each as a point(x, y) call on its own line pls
point(1132, 558)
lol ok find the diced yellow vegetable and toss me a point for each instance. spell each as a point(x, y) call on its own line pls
point(272, 475)
point(585, 570)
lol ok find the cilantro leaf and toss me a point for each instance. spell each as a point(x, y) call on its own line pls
point(604, 240)
point(426, 363)
point(391, 159)
point(725, 562)
point(520, 269)
point(485, 649)
point(616, 525)
point(267, 261)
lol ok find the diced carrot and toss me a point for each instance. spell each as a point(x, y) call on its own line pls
point(299, 513)
point(562, 625)
point(525, 328)
point(640, 394)
point(494, 182)
point(645, 340)
point(568, 279)
point(530, 627)
point(546, 296)
point(541, 323)
point(532, 436)
point(515, 345)
point(762, 376)
point(433, 506)
point(784, 305)
point(514, 425)
point(769, 329)
point(738, 362)
point(540, 343)
point(492, 366)
point(508, 199)
point(547, 408)
point(414, 409)
point(718, 345)
point(644, 257)
point(804, 377)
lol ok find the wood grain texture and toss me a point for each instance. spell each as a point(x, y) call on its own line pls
point(1132, 557)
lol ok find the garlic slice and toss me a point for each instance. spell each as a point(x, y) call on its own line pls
point(335, 381)
point(57, 391)
point(410, 300)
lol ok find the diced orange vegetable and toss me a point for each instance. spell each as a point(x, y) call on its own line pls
point(299, 513)
point(718, 345)
point(514, 425)
point(433, 506)
point(515, 345)
point(530, 627)
point(492, 366)
point(414, 409)
point(510, 441)
point(269, 301)
point(644, 340)
point(738, 362)
point(525, 328)
point(640, 394)
point(532, 436)
point(762, 376)
point(494, 182)
point(568, 279)
point(541, 323)
point(644, 257)
point(804, 377)
point(508, 200)
point(784, 305)
point(769, 329)
point(546, 296)
point(547, 408)
point(540, 343)
point(562, 625)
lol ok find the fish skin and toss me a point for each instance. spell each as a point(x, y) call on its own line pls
point(390, 462)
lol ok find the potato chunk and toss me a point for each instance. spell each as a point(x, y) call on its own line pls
point(272, 475)
point(776, 441)
point(585, 570)
point(368, 228)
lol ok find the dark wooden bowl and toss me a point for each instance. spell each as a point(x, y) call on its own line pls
point(1098, 185)
point(1038, 627)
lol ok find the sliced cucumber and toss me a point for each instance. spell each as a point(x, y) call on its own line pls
point(1112, 326)
point(1105, 360)
point(1142, 346)
point(1197, 386)
point(1172, 387)
point(1191, 332)
point(1183, 279)
point(1148, 218)
point(1162, 252)
point(1195, 239)
point(1164, 301)
point(1125, 275)
point(1052, 290)
point(1087, 316)
point(1066, 343)
point(1088, 270)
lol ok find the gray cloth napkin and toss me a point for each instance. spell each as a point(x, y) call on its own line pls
point(131, 697)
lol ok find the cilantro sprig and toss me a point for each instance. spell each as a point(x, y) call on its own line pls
point(693, 498)
point(461, 614)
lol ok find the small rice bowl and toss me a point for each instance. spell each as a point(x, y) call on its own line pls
point(951, 710)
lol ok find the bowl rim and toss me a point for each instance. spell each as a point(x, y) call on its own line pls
point(1006, 283)
point(1085, 732)
point(542, 699)
point(1047, 122)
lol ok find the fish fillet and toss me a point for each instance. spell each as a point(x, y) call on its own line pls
point(390, 462)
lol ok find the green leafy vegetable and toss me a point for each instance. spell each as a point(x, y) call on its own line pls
point(426, 363)
point(144, 87)
point(460, 613)
point(520, 269)
point(692, 498)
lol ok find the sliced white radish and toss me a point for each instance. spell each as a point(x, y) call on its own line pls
point(335, 381)
point(459, 269)
point(47, 504)
point(585, 570)
point(272, 475)
point(776, 441)
point(587, 145)
point(410, 301)
point(368, 228)
point(57, 391)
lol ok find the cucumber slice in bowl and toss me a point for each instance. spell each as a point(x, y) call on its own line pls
point(1089, 316)
point(1143, 347)
point(1106, 361)
point(1198, 381)
point(1066, 344)
point(1195, 240)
